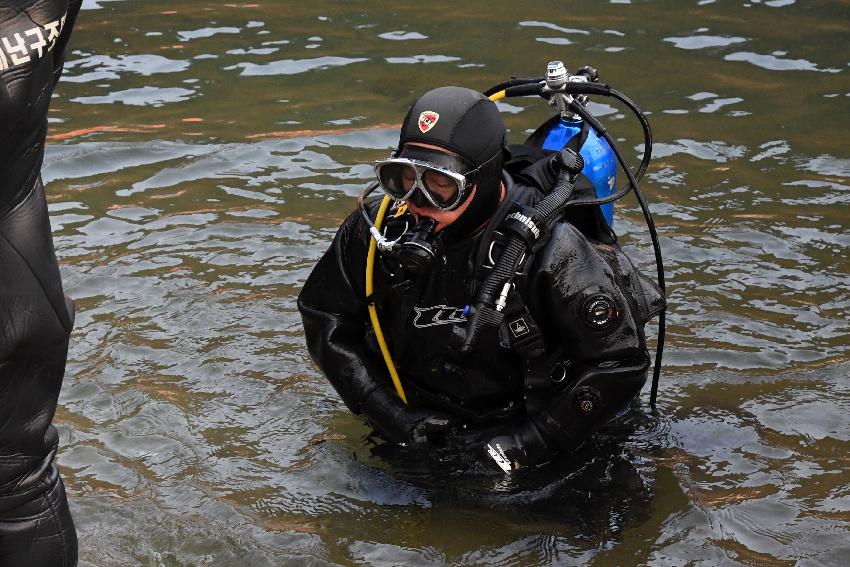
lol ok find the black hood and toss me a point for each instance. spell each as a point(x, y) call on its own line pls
point(458, 119)
point(469, 124)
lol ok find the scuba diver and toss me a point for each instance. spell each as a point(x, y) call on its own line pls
point(474, 311)
point(36, 529)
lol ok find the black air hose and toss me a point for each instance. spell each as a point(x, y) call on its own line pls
point(512, 82)
point(484, 312)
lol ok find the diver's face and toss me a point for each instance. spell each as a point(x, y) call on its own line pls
point(442, 185)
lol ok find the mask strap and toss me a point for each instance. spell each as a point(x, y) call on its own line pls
point(474, 176)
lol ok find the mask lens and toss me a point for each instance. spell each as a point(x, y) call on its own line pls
point(443, 189)
point(397, 178)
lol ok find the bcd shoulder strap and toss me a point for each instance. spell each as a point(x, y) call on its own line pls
point(524, 338)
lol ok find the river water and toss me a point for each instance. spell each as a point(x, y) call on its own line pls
point(200, 157)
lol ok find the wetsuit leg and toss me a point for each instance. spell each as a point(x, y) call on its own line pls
point(36, 529)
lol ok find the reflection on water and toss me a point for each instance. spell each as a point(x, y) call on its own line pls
point(202, 156)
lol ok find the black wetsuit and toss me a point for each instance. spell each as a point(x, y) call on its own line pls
point(35, 316)
point(483, 394)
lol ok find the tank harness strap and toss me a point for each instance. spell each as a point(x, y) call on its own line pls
point(525, 339)
point(509, 312)
point(511, 194)
point(518, 326)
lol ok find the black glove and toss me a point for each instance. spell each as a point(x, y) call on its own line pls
point(402, 424)
point(433, 429)
point(508, 446)
point(523, 447)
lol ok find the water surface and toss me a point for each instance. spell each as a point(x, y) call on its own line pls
point(201, 155)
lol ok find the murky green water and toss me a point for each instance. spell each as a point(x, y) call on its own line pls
point(201, 156)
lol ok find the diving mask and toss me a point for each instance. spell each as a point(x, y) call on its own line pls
point(442, 188)
point(428, 178)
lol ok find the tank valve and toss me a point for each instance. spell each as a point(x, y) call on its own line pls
point(556, 75)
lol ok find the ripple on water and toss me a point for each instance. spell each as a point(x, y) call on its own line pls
point(95, 4)
point(293, 66)
point(827, 165)
point(551, 26)
point(554, 40)
point(104, 67)
point(777, 62)
point(704, 41)
point(188, 382)
point(141, 96)
point(189, 35)
point(745, 467)
point(85, 159)
point(402, 35)
point(414, 59)
point(715, 150)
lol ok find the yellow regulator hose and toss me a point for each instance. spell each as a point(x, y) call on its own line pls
point(373, 312)
point(370, 273)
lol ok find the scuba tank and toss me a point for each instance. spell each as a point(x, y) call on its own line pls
point(600, 163)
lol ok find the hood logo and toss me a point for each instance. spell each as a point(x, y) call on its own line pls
point(428, 120)
point(437, 315)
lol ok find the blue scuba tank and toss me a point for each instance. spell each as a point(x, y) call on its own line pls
point(600, 164)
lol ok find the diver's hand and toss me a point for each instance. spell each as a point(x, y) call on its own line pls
point(523, 447)
point(431, 429)
point(506, 452)
point(421, 429)
point(404, 425)
point(485, 451)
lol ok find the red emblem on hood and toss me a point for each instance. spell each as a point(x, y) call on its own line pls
point(428, 120)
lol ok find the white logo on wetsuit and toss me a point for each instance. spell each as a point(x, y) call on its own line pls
point(18, 48)
point(518, 327)
point(526, 220)
point(437, 315)
point(499, 456)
